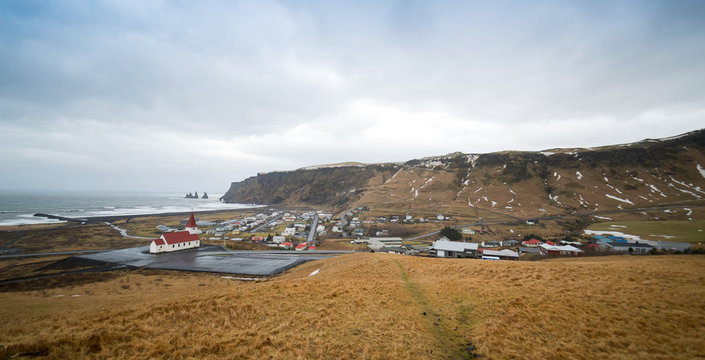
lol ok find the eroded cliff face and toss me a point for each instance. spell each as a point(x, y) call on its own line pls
point(326, 186)
point(521, 184)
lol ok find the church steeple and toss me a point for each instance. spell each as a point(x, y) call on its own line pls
point(191, 225)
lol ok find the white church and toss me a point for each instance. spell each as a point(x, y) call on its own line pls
point(178, 240)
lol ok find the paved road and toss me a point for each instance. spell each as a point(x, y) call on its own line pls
point(312, 232)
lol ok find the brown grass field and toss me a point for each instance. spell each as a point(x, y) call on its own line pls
point(374, 306)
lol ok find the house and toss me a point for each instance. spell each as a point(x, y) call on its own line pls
point(670, 245)
point(445, 248)
point(290, 231)
point(301, 247)
point(467, 231)
point(178, 240)
point(623, 247)
point(380, 243)
point(278, 239)
point(531, 243)
point(312, 247)
point(510, 243)
point(358, 232)
point(490, 244)
point(505, 254)
point(560, 250)
point(529, 250)
point(174, 241)
point(257, 238)
point(396, 250)
point(440, 217)
point(286, 245)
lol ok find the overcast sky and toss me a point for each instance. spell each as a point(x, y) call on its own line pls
point(191, 95)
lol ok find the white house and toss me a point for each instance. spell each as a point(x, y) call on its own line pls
point(379, 243)
point(278, 239)
point(440, 217)
point(467, 231)
point(178, 240)
point(290, 231)
point(505, 254)
point(446, 248)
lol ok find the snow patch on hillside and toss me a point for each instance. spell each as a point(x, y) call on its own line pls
point(690, 186)
point(475, 192)
point(393, 176)
point(619, 199)
point(701, 170)
point(612, 233)
point(655, 189)
point(685, 191)
point(579, 175)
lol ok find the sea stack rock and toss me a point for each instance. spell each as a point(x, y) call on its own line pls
point(205, 195)
point(189, 196)
point(195, 196)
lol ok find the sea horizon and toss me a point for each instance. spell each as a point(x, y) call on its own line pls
point(17, 207)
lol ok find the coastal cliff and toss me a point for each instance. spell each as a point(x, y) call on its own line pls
point(646, 173)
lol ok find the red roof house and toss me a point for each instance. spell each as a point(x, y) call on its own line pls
point(531, 243)
point(301, 246)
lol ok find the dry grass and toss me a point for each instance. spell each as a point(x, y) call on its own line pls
point(65, 237)
point(376, 306)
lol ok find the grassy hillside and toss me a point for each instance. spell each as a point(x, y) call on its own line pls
point(376, 306)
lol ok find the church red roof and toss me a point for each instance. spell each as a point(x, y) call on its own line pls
point(191, 222)
point(177, 237)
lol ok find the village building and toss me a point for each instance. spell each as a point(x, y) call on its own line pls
point(380, 243)
point(178, 240)
point(491, 254)
point(443, 247)
point(529, 250)
point(531, 243)
point(467, 231)
point(560, 250)
point(301, 247)
point(624, 247)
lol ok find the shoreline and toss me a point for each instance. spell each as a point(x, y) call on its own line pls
point(111, 218)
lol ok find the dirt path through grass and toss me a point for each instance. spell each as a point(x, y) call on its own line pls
point(448, 341)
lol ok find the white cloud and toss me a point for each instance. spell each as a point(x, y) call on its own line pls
point(112, 93)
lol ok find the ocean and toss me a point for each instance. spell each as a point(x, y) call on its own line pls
point(19, 207)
